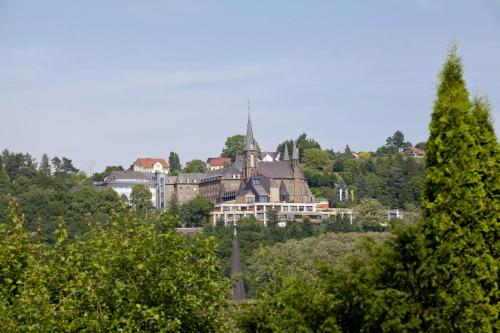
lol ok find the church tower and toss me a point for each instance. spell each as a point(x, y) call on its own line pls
point(250, 158)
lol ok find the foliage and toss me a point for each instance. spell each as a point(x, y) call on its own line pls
point(421, 145)
point(195, 213)
point(438, 275)
point(394, 180)
point(67, 166)
point(196, 166)
point(370, 215)
point(99, 177)
point(317, 159)
point(17, 164)
point(174, 162)
point(397, 141)
point(126, 276)
point(234, 146)
point(174, 205)
point(303, 143)
point(45, 165)
point(302, 258)
point(140, 198)
point(461, 209)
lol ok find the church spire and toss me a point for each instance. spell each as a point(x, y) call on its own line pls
point(250, 143)
point(286, 156)
point(251, 161)
point(295, 155)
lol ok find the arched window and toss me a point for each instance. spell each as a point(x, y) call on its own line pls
point(252, 161)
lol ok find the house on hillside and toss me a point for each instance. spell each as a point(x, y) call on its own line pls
point(217, 163)
point(414, 151)
point(150, 165)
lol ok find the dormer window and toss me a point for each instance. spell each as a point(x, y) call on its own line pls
point(263, 198)
point(256, 181)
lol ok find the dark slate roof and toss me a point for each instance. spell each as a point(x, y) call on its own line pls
point(194, 177)
point(130, 175)
point(277, 169)
point(228, 172)
point(260, 190)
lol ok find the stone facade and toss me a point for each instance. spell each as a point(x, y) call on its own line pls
point(186, 186)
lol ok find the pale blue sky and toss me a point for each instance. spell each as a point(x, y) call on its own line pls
point(109, 81)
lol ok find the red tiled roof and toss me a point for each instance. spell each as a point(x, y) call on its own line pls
point(147, 162)
point(416, 151)
point(218, 161)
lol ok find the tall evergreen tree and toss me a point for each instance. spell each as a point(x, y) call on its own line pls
point(397, 140)
point(67, 166)
point(45, 165)
point(489, 159)
point(56, 163)
point(174, 162)
point(440, 275)
point(460, 273)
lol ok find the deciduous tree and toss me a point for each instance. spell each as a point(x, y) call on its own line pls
point(196, 166)
point(140, 198)
point(234, 146)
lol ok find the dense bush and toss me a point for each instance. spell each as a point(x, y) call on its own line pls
point(130, 275)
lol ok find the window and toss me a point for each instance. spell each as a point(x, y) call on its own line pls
point(285, 208)
point(263, 198)
point(250, 199)
point(256, 181)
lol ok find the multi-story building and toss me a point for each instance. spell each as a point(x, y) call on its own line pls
point(123, 182)
point(221, 185)
point(185, 186)
point(150, 165)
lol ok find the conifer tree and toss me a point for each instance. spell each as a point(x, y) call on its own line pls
point(459, 272)
point(174, 162)
point(490, 172)
point(45, 165)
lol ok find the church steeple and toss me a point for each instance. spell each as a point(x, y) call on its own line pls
point(286, 156)
point(250, 143)
point(250, 162)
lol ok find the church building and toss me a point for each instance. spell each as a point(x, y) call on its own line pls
point(276, 181)
point(252, 187)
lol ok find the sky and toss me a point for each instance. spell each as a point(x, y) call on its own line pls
point(105, 82)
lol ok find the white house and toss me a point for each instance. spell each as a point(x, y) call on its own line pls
point(151, 165)
point(122, 183)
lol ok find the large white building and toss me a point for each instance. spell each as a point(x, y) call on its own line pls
point(122, 183)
